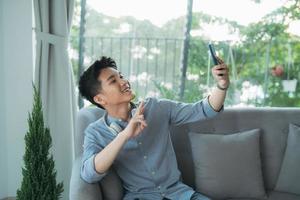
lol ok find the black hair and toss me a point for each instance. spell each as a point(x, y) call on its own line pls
point(89, 85)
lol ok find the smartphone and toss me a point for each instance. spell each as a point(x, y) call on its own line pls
point(213, 54)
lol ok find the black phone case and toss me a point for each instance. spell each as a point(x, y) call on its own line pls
point(213, 54)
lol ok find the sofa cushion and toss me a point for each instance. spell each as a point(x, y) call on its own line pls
point(111, 186)
point(228, 166)
point(289, 177)
point(244, 199)
point(273, 195)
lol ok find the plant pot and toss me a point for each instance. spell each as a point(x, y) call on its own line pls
point(289, 85)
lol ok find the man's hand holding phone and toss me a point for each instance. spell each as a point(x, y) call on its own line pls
point(220, 71)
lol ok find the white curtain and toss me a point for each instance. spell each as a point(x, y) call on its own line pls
point(54, 78)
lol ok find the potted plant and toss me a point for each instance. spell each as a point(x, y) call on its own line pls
point(289, 85)
point(289, 76)
point(39, 174)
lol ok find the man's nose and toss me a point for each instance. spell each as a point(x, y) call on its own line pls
point(124, 81)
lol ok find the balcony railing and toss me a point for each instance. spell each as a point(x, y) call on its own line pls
point(151, 64)
point(144, 61)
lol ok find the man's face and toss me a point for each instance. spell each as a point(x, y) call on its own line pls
point(115, 89)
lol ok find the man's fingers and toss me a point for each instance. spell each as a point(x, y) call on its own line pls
point(219, 60)
point(140, 109)
point(220, 66)
point(143, 125)
point(140, 117)
point(220, 70)
point(141, 120)
point(223, 71)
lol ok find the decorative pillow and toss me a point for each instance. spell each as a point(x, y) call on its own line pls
point(228, 166)
point(289, 176)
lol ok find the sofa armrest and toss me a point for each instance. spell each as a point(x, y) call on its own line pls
point(111, 186)
point(79, 189)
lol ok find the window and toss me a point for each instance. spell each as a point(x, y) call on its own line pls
point(257, 39)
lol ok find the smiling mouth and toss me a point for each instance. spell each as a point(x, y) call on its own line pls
point(128, 89)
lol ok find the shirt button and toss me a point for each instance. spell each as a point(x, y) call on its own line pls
point(145, 157)
point(159, 187)
point(163, 194)
point(153, 172)
point(140, 143)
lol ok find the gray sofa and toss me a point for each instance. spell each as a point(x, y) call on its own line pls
point(274, 125)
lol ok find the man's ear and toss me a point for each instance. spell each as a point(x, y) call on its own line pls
point(99, 98)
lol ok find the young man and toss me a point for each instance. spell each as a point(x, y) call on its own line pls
point(136, 140)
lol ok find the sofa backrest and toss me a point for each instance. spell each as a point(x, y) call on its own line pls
point(273, 122)
point(84, 117)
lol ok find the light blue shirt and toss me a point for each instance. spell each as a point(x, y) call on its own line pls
point(147, 163)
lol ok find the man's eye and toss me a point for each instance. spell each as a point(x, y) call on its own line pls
point(113, 81)
point(121, 76)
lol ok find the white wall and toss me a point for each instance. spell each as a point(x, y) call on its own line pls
point(16, 77)
point(3, 149)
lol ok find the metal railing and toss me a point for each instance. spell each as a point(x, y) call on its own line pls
point(144, 61)
point(148, 62)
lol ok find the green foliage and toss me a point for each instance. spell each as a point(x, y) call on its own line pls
point(194, 91)
point(198, 56)
point(165, 92)
point(38, 173)
point(250, 63)
point(200, 19)
point(262, 45)
point(279, 98)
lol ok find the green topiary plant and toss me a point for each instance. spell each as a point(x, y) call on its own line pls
point(39, 174)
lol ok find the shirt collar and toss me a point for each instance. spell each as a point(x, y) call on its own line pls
point(119, 121)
